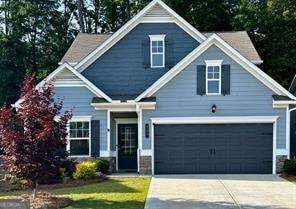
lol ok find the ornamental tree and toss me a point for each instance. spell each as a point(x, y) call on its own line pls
point(31, 136)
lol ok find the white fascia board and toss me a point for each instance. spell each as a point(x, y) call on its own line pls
point(125, 29)
point(127, 105)
point(88, 84)
point(226, 48)
point(214, 120)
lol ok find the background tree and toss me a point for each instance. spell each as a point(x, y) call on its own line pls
point(35, 34)
point(31, 138)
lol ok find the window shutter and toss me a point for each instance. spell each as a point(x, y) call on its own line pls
point(225, 79)
point(95, 138)
point(201, 80)
point(146, 52)
point(169, 52)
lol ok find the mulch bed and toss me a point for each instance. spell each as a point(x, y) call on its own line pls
point(5, 186)
point(45, 200)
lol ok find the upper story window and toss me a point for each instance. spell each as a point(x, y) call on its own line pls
point(213, 77)
point(157, 51)
point(79, 137)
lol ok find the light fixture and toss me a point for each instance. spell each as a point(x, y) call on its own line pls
point(147, 130)
point(214, 108)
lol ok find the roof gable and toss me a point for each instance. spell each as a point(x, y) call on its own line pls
point(66, 73)
point(228, 50)
point(156, 8)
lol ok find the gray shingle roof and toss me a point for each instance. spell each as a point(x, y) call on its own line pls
point(241, 42)
point(84, 44)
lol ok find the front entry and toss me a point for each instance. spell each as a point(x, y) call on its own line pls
point(127, 146)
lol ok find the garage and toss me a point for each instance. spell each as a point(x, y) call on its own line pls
point(233, 148)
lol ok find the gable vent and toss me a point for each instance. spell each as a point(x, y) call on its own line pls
point(66, 77)
point(157, 13)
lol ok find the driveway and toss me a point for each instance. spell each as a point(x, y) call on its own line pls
point(220, 191)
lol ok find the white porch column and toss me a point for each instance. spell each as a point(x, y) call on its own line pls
point(108, 131)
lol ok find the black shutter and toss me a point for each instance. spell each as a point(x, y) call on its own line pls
point(95, 138)
point(225, 80)
point(169, 52)
point(146, 52)
point(201, 79)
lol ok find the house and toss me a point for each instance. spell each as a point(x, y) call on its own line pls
point(292, 89)
point(160, 97)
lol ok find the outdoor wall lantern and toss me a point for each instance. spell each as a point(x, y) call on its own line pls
point(214, 108)
point(147, 130)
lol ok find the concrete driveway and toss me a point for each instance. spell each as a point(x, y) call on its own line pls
point(220, 191)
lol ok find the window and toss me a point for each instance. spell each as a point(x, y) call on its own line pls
point(213, 77)
point(157, 51)
point(79, 138)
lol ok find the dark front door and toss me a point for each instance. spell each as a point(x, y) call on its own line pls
point(127, 146)
point(217, 148)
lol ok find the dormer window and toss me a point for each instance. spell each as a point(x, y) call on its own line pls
point(157, 51)
point(213, 77)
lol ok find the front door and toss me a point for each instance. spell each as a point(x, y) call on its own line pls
point(127, 146)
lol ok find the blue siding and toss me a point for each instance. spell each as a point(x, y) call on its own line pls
point(248, 97)
point(79, 99)
point(120, 70)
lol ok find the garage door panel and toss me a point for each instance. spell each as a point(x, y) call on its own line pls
point(240, 148)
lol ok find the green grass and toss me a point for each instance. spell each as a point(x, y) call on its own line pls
point(117, 193)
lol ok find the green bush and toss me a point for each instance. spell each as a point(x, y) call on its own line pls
point(15, 181)
point(85, 170)
point(290, 167)
point(102, 165)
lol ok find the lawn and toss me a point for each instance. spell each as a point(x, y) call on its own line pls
point(114, 193)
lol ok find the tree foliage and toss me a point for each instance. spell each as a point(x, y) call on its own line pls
point(31, 138)
point(35, 34)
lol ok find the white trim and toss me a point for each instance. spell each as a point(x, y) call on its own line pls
point(123, 121)
point(90, 85)
point(217, 120)
point(105, 153)
point(214, 120)
point(213, 63)
point(226, 48)
point(79, 119)
point(108, 130)
point(124, 106)
point(281, 103)
point(146, 152)
point(119, 34)
point(157, 38)
point(274, 139)
point(282, 152)
point(288, 132)
point(139, 112)
point(52, 75)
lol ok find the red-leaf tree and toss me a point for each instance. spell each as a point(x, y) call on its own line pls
point(31, 136)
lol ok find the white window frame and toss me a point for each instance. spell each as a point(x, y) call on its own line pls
point(213, 63)
point(79, 119)
point(157, 38)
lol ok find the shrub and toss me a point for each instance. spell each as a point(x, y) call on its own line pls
point(85, 170)
point(15, 181)
point(102, 165)
point(290, 167)
point(67, 168)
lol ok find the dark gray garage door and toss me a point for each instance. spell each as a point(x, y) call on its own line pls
point(215, 148)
